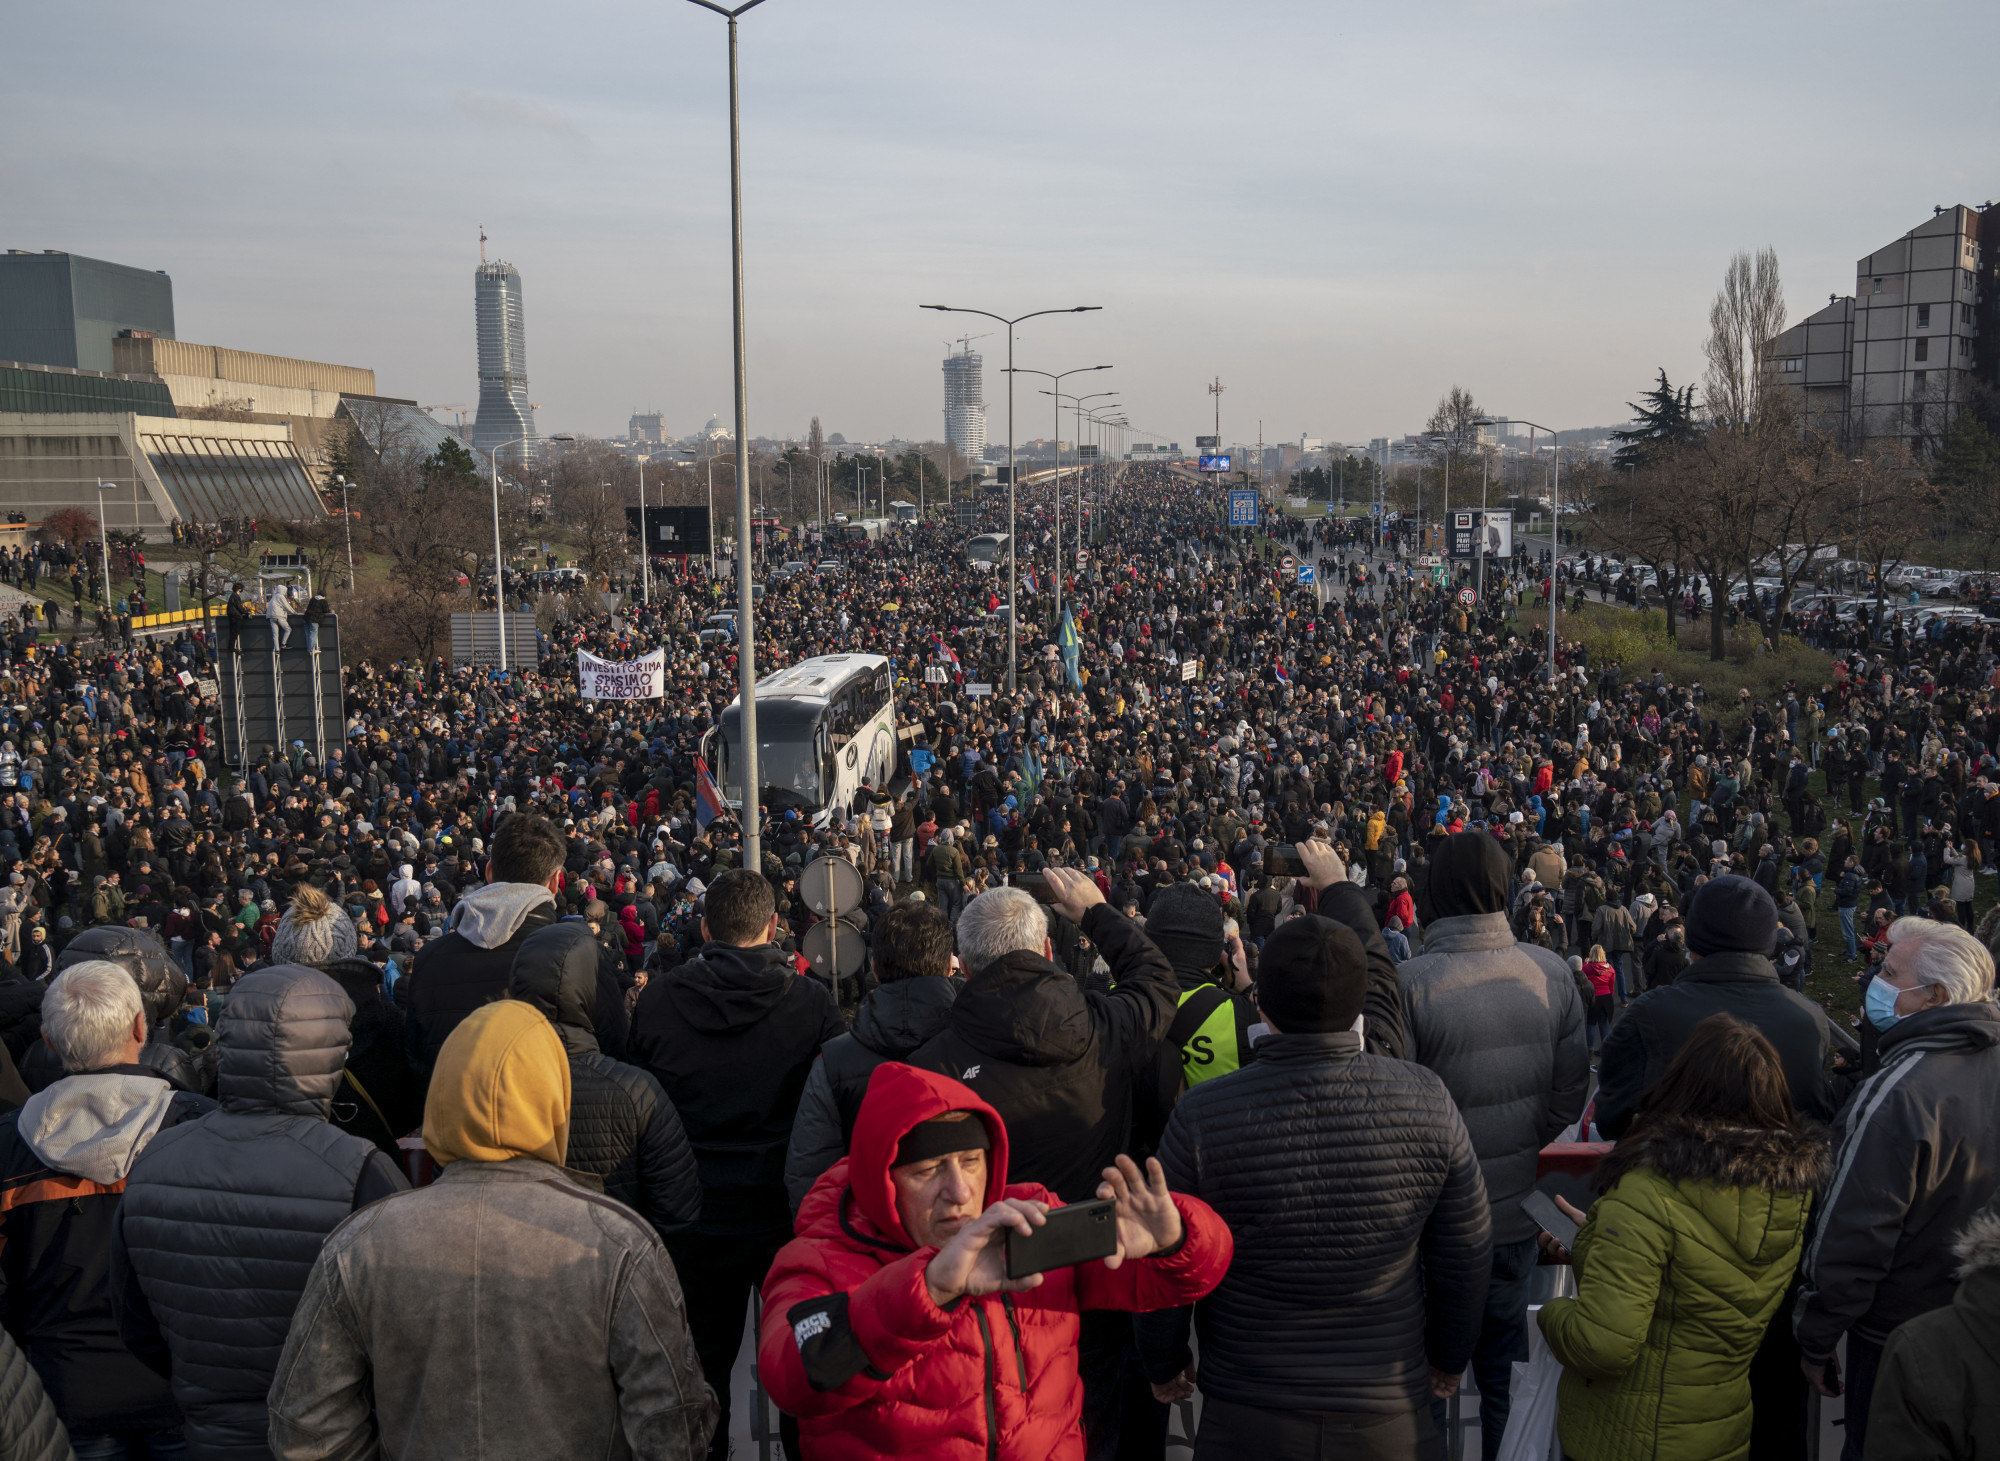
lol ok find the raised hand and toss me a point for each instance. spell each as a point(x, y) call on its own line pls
point(1148, 1221)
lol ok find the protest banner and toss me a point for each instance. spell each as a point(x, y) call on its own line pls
point(644, 678)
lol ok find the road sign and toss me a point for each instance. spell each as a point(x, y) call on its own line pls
point(1243, 507)
point(1207, 443)
point(1306, 575)
point(1467, 598)
point(1288, 563)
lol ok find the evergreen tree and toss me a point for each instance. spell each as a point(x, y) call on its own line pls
point(450, 463)
point(1666, 420)
point(1968, 456)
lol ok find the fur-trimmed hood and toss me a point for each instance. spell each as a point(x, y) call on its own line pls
point(1978, 1245)
point(1733, 1156)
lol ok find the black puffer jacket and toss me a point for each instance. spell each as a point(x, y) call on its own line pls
point(1060, 1064)
point(622, 1127)
point(29, 1427)
point(1655, 1026)
point(1363, 1240)
point(894, 1019)
point(224, 1216)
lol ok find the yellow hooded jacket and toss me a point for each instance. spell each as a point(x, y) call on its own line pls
point(500, 1089)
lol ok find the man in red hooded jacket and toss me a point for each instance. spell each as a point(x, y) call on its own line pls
point(890, 1327)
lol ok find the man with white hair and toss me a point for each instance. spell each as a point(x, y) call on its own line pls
point(1917, 1155)
point(1061, 1066)
point(64, 1157)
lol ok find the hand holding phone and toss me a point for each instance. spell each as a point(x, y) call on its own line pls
point(1558, 1221)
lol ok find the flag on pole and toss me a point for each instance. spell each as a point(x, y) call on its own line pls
point(708, 800)
point(1031, 776)
point(1069, 641)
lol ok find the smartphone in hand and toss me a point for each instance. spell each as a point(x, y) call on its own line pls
point(1078, 1233)
point(1550, 1218)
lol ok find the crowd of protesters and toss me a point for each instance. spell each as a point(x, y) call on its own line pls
point(456, 1091)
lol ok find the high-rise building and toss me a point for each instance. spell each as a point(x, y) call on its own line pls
point(646, 426)
point(964, 404)
point(1901, 355)
point(63, 309)
point(504, 413)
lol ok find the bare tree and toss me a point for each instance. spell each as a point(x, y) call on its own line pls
point(1748, 314)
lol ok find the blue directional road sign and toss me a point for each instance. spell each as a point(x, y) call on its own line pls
point(1305, 575)
point(1243, 507)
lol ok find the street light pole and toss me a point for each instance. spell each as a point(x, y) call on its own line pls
point(1057, 377)
point(1013, 575)
point(1555, 521)
point(499, 565)
point(1076, 404)
point(103, 541)
point(746, 638)
point(347, 519)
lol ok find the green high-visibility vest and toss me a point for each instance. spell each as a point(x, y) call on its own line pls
point(1205, 1030)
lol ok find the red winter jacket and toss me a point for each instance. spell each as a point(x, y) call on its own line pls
point(853, 1346)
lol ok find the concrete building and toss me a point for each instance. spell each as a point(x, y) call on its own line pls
point(964, 403)
point(505, 415)
point(1898, 357)
point(647, 426)
point(212, 382)
point(63, 309)
point(155, 468)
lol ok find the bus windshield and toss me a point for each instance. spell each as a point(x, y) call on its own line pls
point(789, 769)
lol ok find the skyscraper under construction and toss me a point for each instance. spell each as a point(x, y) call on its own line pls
point(964, 406)
point(504, 413)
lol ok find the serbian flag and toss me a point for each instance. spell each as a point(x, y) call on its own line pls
point(708, 802)
point(945, 655)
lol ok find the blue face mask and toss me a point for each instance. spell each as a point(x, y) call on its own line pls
point(1880, 1003)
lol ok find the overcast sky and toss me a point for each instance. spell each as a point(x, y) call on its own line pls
point(1341, 210)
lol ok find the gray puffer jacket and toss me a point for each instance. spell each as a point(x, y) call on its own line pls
point(1502, 1025)
point(223, 1217)
point(29, 1427)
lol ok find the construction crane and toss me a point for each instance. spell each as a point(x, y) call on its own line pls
point(457, 410)
point(966, 341)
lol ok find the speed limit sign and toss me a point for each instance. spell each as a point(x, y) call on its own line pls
point(1467, 598)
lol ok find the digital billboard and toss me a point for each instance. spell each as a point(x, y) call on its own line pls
point(1215, 464)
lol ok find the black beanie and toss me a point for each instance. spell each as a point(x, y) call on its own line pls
point(1731, 915)
point(1184, 922)
point(1312, 976)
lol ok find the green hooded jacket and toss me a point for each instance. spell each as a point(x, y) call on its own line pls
point(1679, 1270)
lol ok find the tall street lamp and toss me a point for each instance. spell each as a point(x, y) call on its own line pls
point(1076, 403)
point(103, 541)
point(347, 520)
point(746, 638)
point(1013, 576)
point(1555, 519)
point(1057, 377)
